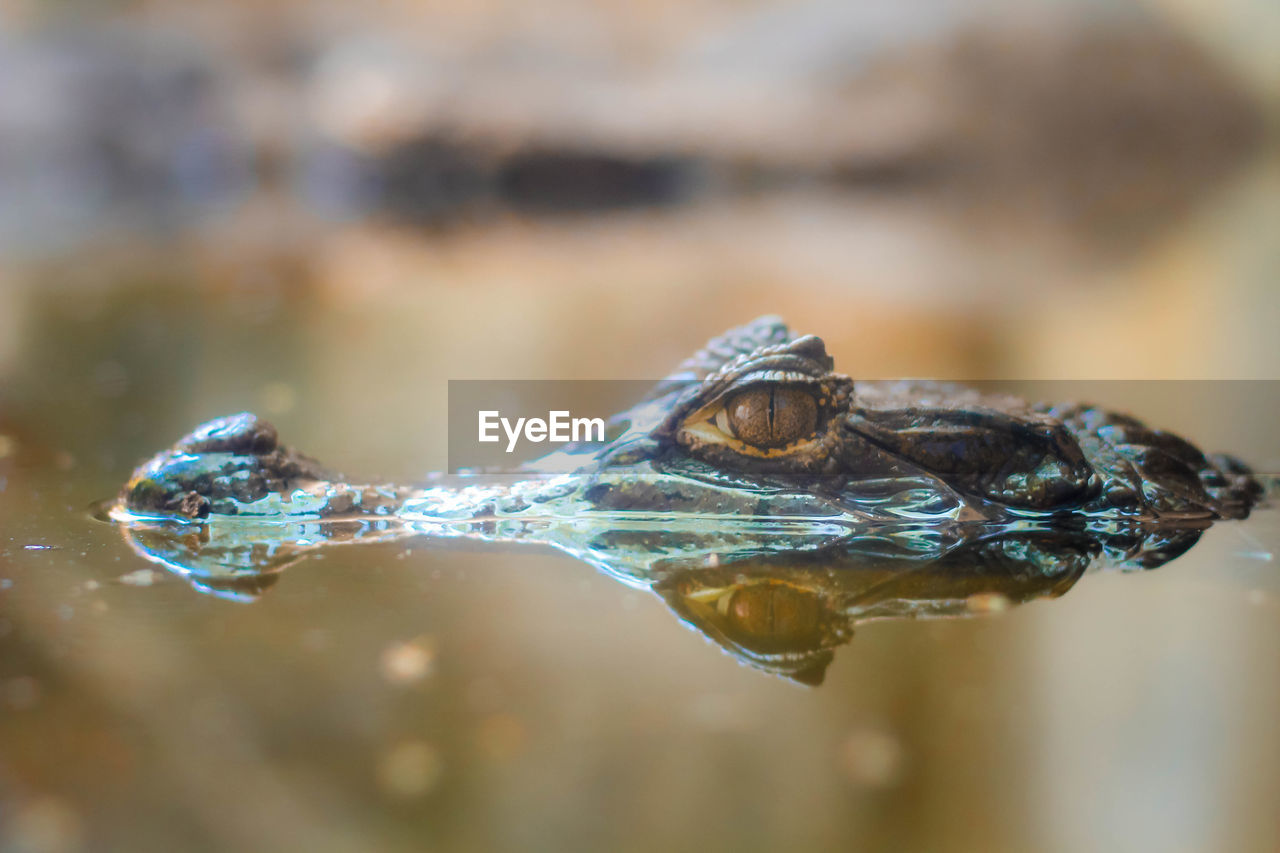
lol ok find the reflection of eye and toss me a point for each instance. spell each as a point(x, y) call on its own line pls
point(773, 616)
point(769, 417)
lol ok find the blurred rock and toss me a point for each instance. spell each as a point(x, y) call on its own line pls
point(112, 129)
point(1095, 124)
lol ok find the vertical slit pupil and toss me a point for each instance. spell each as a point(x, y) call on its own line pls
point(773, 434)
point(770, 417)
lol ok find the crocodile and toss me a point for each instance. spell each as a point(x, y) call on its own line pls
point(770, 501)
point(757, 424)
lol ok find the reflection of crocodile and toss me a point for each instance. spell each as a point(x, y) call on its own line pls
point(786, 614)
point(769, 500)
point(779, 598)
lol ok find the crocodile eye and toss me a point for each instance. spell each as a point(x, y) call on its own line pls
point(769, 417)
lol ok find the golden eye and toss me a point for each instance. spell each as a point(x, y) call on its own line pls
point(769, 417)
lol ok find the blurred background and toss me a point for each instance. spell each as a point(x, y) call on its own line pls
point(322, 212)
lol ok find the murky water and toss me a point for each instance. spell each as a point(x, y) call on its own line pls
point(471, 699)
point(408, 695)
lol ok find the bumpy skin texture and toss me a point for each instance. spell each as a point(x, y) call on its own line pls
point(994, 451)
point(219, 467)
point(833, 443)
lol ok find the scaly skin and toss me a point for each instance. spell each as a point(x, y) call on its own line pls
point(857, 451)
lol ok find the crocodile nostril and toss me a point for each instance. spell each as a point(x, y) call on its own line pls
point(193, 505)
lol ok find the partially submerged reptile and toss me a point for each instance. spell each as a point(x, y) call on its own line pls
point(758, 424)
point(754, 479)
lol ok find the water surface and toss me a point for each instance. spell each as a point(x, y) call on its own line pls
point(414, 695)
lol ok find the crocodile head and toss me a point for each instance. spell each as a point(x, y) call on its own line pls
point(760, 423)
point(752, 427)
point(756, 426)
